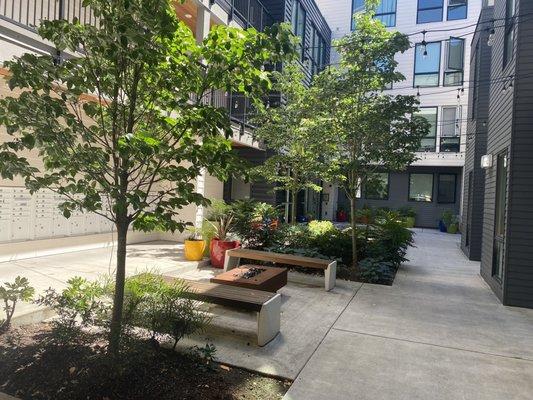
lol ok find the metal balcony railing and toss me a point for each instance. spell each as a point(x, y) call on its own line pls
point(30, 13)
point(247, 13)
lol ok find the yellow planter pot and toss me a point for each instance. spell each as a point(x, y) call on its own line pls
point(194, 250)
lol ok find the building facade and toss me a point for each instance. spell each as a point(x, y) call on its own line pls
point(31, 225)
point(506, 231)
point(436, 69)
point(315, 36)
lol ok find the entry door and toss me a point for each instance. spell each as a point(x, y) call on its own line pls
point(469, 208)
point(498, 258)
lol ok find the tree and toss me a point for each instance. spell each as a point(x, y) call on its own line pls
point(375, 131)
point(132, 152)
point(294, 135)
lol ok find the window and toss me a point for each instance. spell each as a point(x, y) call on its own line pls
point(475, 84)
point(455, 50)
point(377, 186)
point(421, 187)
point(508, 45)
point(450, 133)
point(446, 190)
point(500, 209)
point(429, 142)
point(385, 12)
point(298, 24)
point(318, 50)
point(429, 11)
point(457, 9)
point(427, 64)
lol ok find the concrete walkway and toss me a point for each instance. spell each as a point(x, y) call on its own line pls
point(437, 333)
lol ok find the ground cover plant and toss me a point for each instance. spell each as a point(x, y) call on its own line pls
point(67, 358)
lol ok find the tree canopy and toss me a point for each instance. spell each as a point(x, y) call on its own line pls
point(124, 123)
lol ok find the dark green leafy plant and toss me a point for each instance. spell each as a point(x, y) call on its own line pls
point(10, 295)
point(374, 270)
point(255, 223)
point(163, 308)
point(81, 304)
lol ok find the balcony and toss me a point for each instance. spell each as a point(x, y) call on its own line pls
point(29, 13)
point(247, 13)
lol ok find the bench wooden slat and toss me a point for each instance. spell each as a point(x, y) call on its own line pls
point(231, 296)
point(280, 258)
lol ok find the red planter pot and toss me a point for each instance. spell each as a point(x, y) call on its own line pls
point(217, 249)
point(342, 216)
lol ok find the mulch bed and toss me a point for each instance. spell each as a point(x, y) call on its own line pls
point(33, 367)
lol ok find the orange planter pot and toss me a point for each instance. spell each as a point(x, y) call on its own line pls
point(218, 251)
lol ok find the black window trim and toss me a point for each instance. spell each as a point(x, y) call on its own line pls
point(432, 187)
point(454, 188)
point(448, 11)
point(453, 71)
point(352, 20)
point(418, 9)
point(427, 73)
point(436, 129)
point(508, 30)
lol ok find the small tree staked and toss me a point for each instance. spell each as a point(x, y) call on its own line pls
point(374, 131)
point(293, 133)
point(132, 153)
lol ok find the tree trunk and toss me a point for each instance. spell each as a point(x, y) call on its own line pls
point(118, 301)
point(353, 208)
point(294, 206)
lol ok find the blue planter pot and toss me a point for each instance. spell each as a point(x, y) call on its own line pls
point(442, 227)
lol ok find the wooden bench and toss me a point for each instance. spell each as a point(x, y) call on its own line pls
point(233, 258)
point(267, 305)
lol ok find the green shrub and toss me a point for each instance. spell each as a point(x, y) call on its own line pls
point(376, 270)
point(317, 228)
point(255, 223)
point(163, 308)
point(447, 217)
point(10, 295)
point(82, 303)
point(407, 212)
point(390, 240)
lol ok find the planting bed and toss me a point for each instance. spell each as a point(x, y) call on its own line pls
point(33, 367)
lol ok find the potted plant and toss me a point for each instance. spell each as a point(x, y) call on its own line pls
point(341, 215)
point(222, 218)
point(453, 228)
point(446, 220)
point(194, 246)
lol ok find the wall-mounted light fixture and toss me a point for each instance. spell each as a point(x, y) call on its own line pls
point(486, 161)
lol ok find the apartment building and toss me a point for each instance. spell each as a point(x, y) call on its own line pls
point(500, 166)
point(32, 224)
point(310, 26)
point(436, 69)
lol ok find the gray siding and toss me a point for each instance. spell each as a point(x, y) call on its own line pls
point(498, 140)
point(518, 289)
point(476, 147)
point(428, 214)
point(510, 122)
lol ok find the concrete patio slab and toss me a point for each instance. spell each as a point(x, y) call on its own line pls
point(437, 333)
point(307, 314)
point(55, 270)
point(351, 366)
point(489, 328)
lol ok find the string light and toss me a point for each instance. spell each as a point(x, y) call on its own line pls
point(490, 39)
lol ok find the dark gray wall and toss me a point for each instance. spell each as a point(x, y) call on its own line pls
point(428, 214)
point(518, 282)
point(510, 128)
point(476, 146)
